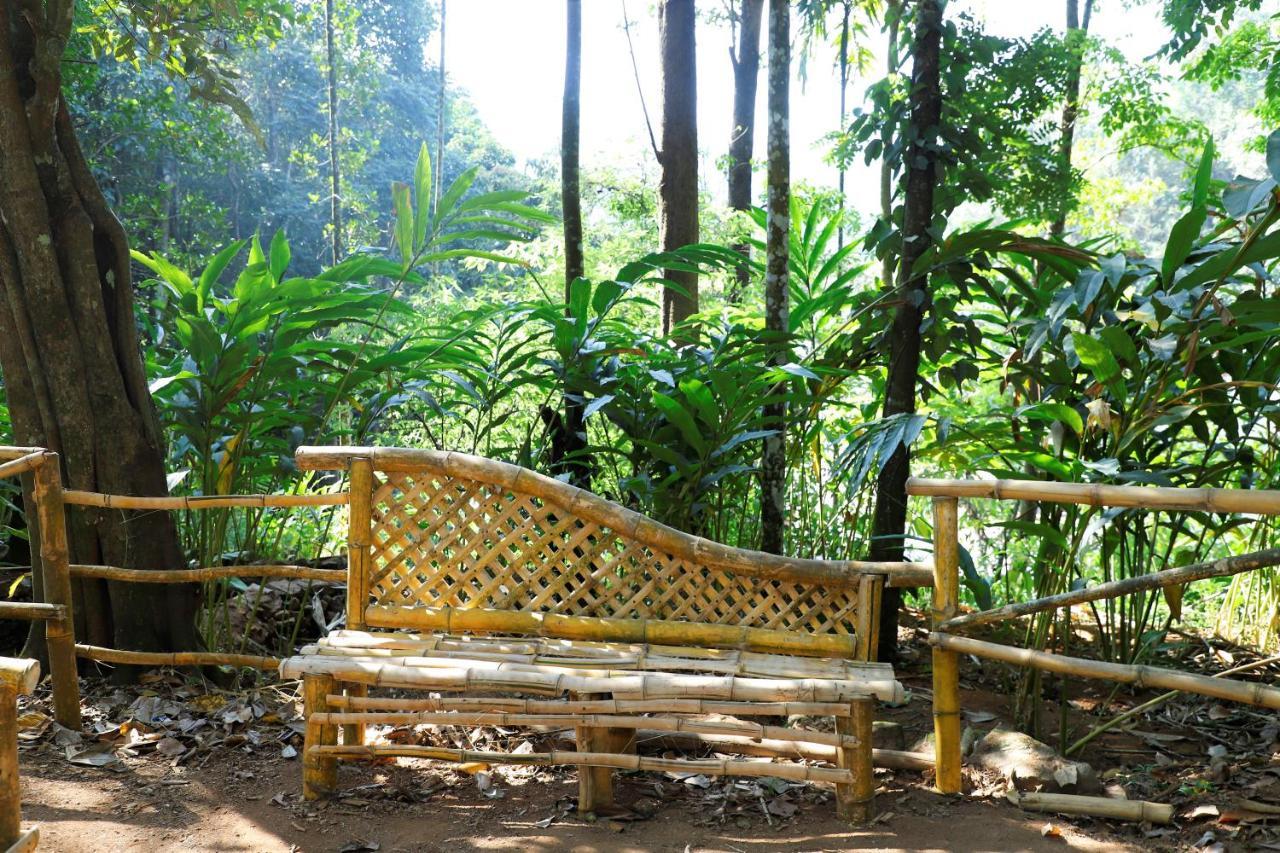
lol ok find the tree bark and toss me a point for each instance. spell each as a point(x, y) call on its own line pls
point(893, 17)
point(437, 172)
point(574, 443)
point(746, 75)
point(1077, 30)
point(335, 183)
point(678, 186)
point(69, 350)
point(920, 174)
point(844, 103)
point(773, 465)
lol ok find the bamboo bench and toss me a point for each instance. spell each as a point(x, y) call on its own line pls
point(529, 602)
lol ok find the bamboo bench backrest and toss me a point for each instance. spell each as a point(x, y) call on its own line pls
point(448, 531)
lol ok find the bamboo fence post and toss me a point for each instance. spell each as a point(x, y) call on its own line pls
point(353, 733)
point(16, 676)
point(319, 772)
point(855, 802)
point(56, 573)
point(595, 784)
point(946, 664)
point(359, 519)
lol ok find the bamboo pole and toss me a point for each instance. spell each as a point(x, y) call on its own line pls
point(627, 685)
point(31, 611)
point(725, 767)
point(1248, 501)
point(481, 620)
point(198, 502)
point(583, 504)
point(26, 842)
point(1105, 807)
point(54, 559)
point(174, 659)
point(10, 792)
point(755, 731)
point(946, 664)
point(892, 759)
point(856, 802)
point(8, 453)
point(1168, 577)
point(319, 771)
point(21, 675)
point(1249, 693)
point(113, 573)
point(359, 540)
point(597, 706)
point(22, 464)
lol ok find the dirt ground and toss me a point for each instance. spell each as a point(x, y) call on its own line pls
point(177, 764)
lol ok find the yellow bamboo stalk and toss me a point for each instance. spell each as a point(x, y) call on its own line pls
point(596, 706)
point(19, 674)
point(8, 453)
point(855, 802)
point(114, 573)
point(1248, 501)
point(1249, 693)
point(756, 731)
point(583, 504)
point(946, 664)
point(893, 759)
point(455, 620)
point(319, 771)
point(54, 567)
point(359, 540)
point(717, 767)
point(627, 685)
point(31, 611)
point(10, 793)
point(174, 659)
point(198, 502)
point(26, 842)
point(22, 464)
point(1106, 807)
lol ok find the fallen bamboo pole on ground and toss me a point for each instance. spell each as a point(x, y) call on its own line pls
point(198, 502)
point(1169, 577)
point(1247, 501)
point(114, 573)
point(792, 772)
point(1104, 807)
point(174, 659)
point(1140, 676)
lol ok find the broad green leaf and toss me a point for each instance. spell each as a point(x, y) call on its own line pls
point(1182, 237)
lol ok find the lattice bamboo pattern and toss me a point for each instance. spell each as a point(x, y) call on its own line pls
point(445, 541)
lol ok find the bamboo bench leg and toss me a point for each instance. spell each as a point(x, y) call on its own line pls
point(319, 773)
point(856, 802)
point(10, 798)
point(595, 784)
point(353, 733)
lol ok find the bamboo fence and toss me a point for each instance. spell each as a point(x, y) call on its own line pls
point(16, 677)
point(948, 647)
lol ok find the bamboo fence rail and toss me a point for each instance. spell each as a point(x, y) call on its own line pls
point(1139, 583)
point(584, 505)
point(1247, 501)
point(590, 706)
point(113, 573)
point(708, 767)
point(199, 502)
point(9, 453)
point(175, 659)
point(16, 676)
point(1249, 693)
point(893, 759)
point(31, 610)
point(22, 464)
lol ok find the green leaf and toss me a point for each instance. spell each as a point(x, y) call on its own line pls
point(1096, 357)
point(1200, 191)
point(1273, 155)
point(279, 255)
point(422, 190)
point(679, 416)
point(403, 208)
point(1182, 237)
point(1053, 412)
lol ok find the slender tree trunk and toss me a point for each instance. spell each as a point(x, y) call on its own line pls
point(746, 74)
point(437, 173)
point(335, 184)
point(574, 441)
point(1077, 30)
point(920, 174)
point(844, 103)
point(893, 18)
point(773, 464)
point(678, 186)
point(69, 350)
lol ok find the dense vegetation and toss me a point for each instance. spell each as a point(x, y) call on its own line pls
point(1111, 322)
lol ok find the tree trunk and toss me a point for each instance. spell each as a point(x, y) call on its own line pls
point(773, 464)
point(69, 349)
point(1077, 30)
point(437, 172)
point(893, 18)
point(844, 103)
point(574, 441)
point(920, 174)
point(678, 187)
point(746, 74)
point(335, 184)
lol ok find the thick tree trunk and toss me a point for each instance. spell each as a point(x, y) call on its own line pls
point(69, 351)
point(746, 75)
point(1077, 30)
point(678, 187)
point(773, 464)
point(335, 183)
point(920, 172)
point(574, 442)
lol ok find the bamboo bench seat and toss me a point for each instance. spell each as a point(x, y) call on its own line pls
point(519, 600)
